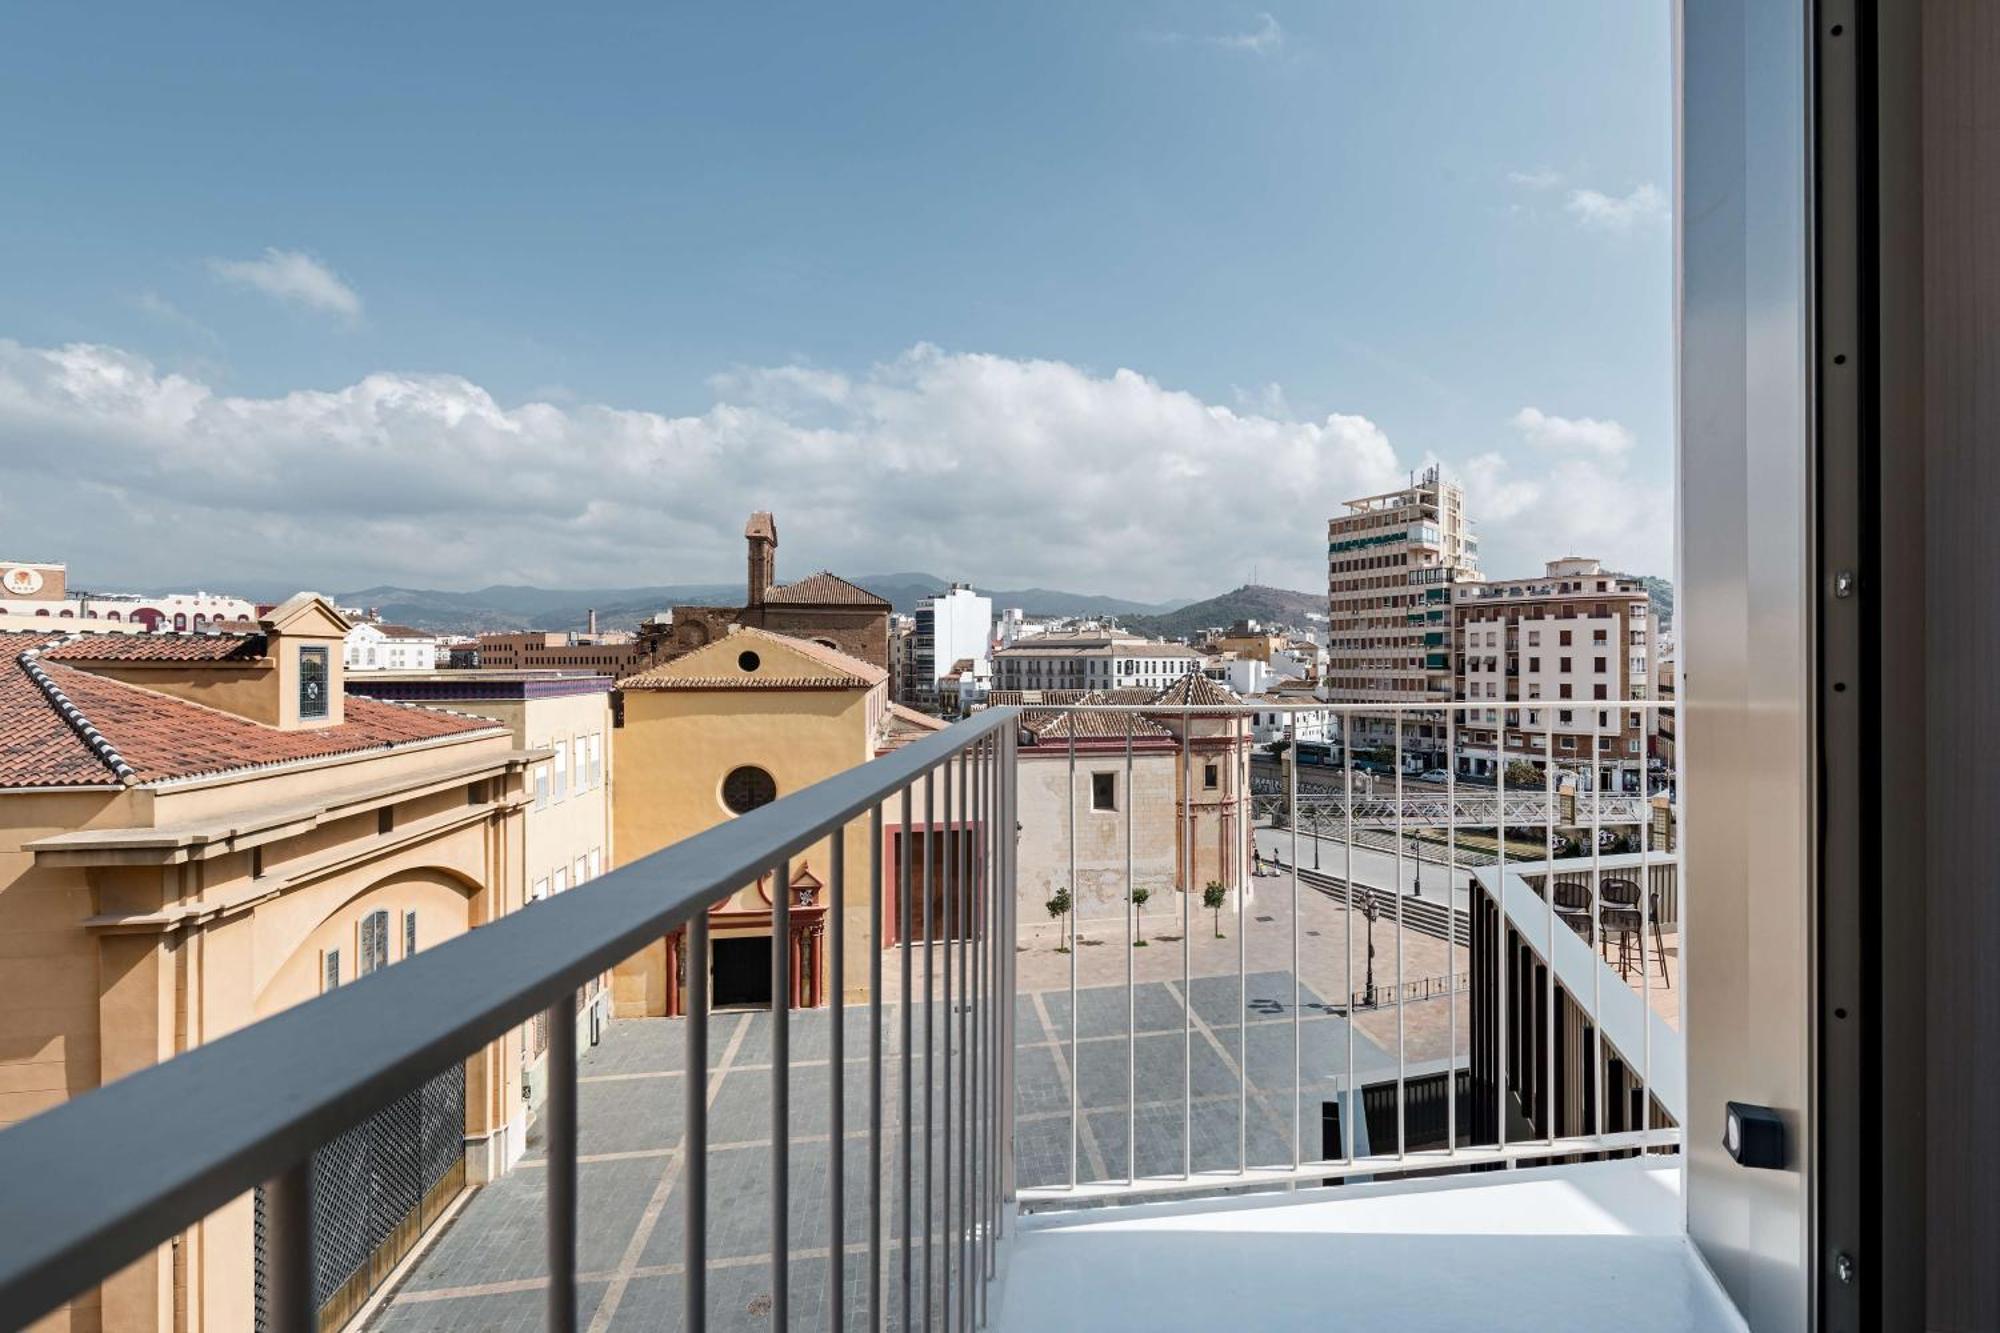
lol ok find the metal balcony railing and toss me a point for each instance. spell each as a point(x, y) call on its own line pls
point(1548, 1054)
point(96, 1183)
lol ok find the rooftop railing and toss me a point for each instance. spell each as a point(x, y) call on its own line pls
point(1490, 1029)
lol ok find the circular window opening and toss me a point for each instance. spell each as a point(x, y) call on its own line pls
point(747, 788)
point(748, 660)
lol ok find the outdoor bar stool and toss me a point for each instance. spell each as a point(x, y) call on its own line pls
point(1620, 902)
point(1572, 899)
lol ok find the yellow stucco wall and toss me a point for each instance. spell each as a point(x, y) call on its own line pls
point(80, 1006)
point(672, 755)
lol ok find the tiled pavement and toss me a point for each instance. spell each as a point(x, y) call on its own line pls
point(487, 1270)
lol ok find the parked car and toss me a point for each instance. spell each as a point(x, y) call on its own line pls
point(1435, 775)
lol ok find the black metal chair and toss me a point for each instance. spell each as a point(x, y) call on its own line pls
point(1572, 899)
point(1619, 902)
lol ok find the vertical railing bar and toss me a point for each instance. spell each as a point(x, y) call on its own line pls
point(694, 1170)
point(983, 1028)
point(905, 1129)
point(1242, 807)
point(947, 921)
point(1451, 927)
point(1187, 969)
point(1502, 964)
point(1351, 1097)
point(781, 1094)
point(930, 1030)
point(1005, 944)
point(958, 913)
point(935, 907)
point(1646, 923)
point(836, 1111)
point(559, 1131)
point(974, 1269)
point(1131, 981)
point(1292, 816)
point(1075, 943)
point(288, 1288)
point(1548, 1025)
point(1597, 920)
point(1402, 1086)
point(875, 924)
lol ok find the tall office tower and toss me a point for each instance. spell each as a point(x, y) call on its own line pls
point(1391, 561)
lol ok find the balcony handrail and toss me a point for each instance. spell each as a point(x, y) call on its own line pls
point(93, 1184)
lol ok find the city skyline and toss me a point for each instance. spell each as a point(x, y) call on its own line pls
point(932, 284)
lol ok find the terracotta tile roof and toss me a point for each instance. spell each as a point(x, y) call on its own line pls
point(822, 589)
point(713, 667)
point(1195, 689)
point(61, 726)
point(158, 648)
point(1046, 727)
point(903, 725)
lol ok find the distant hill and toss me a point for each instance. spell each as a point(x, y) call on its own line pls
point(1250, 602)
point(515, 607)
point(1661, 593)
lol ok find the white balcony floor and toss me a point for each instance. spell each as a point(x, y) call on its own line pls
point(1594, 1246)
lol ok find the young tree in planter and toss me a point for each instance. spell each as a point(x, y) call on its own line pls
point(1139, 896)
point(1058, 909)
point(1213, 897)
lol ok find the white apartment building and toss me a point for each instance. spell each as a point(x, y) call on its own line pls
point(1092, 660)
point(948, 628)
point(1544, 651)
point(377, 647)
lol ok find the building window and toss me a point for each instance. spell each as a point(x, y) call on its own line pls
point(747, 788)
point(330, 973)
point(596, 859)
point(409, 933)
point(580, 871)
point(1562, 637)
point(539, 892)
point(374, 941)
point(559, 882)
point(1211, 775)
point(562, 770)
point(1104, 791)
point(541, 786)
point(312, 682)
point(1599, 665)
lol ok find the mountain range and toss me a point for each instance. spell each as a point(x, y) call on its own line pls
point(519, 607)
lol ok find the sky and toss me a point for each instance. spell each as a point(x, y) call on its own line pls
point(1115, 297)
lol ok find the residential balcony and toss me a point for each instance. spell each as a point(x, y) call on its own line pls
point(1335, 1087)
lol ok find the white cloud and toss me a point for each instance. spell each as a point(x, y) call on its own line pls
point(1579, 493)
point(289, 275)
point(1584, 434)
point(1597, 211)
point(1005, 470)
point(1541, 178)
point(1263, 39)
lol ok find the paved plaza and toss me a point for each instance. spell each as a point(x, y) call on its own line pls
point(487, 1268)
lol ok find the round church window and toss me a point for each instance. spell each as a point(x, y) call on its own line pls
point(747, 788)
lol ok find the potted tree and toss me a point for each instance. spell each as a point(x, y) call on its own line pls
point(1059, 906)
point(1213, 897)
point(1139, 895)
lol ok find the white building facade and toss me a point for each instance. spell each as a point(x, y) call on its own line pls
point(950, 628)
point(1093, 660)
point(373, 647)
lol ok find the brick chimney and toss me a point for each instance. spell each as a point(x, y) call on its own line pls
point(761, 533)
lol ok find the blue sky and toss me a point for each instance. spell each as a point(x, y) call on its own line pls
point(554, 294)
